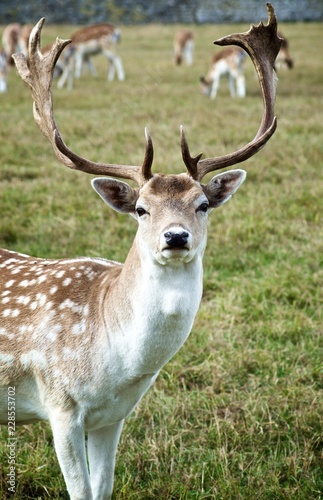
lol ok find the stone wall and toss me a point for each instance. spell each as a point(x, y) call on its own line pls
point(161, 11)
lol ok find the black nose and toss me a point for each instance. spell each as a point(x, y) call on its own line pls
point(176, 240)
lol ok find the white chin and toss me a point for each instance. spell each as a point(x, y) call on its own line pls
point(168, 256)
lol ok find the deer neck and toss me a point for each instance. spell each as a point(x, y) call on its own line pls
point(159, 304)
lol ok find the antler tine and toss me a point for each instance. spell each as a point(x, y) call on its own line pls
point(138, 174)
point(38, 77)
point(149, 156)
point(262, 44)
point(190, 161)
point(40, 82)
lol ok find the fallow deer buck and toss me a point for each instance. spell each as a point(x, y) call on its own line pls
point(86, 43)
point(82, 339)
point(184, 47)
point(227, 62)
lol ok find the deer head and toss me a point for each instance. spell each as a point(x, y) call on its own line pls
point(261, 43)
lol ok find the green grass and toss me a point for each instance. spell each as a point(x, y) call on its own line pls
point(237, 414)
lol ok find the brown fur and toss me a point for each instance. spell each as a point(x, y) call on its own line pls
point(51, 293)
point(224, 54)
point(92, 32)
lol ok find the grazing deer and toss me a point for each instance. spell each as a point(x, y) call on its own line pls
point(15, 39)
point(227, 62)
point(184, 47)
point(82, 339)
point(87, 42)
point(64, 67)
point(284, 58)
point(3, 71)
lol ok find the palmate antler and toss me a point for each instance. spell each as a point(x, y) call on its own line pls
point(38, 76)
point(261, 43)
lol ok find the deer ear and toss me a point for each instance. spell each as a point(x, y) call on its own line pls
point(221, 187)
point(118, 195)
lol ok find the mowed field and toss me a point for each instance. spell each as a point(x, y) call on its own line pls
point(237, 414)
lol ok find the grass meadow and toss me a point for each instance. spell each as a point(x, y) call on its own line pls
point(237, 414)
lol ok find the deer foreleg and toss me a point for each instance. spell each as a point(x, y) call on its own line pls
point(189, 53)
point(90, 65)
point(115, 64)
point(241, 86)
point(69, 440)
point(78, 64)
point(67, 75)
point(102, 448)
point(215, 86)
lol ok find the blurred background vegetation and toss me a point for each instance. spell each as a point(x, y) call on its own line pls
point(161, 11)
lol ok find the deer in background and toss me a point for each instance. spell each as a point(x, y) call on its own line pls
point(184, 47)
point(86, 43)
point(284, 58)
point(82, 339)
point(15, 39)
point(227, 62)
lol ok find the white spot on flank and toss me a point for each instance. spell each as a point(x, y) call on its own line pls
point(23, 299)
point(16, 270)
point(9, 283)
point(53, 289)
point(79, 328)
point(33, 358)
point(57, 373)
point(68, 354)
point(52, 334)
point(69, 304)
point(9, 261)
point(6, 313)
point(60, 274)
point(67, 281)
point(7, 358)
point(42, 299)
point(5, 300)
point(26, 283)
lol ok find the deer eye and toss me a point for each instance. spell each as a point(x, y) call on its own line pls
point(141, 211)
point(203, 207)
